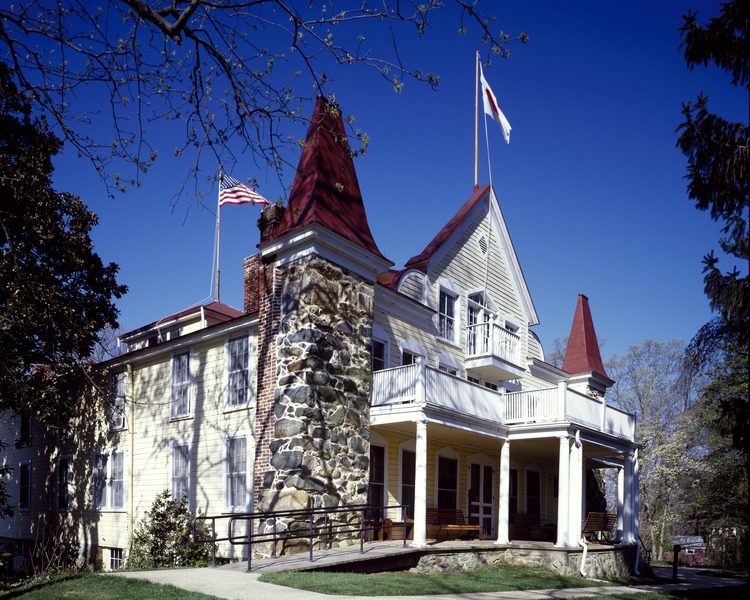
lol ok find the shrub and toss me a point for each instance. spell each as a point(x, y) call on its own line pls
point(164, 537)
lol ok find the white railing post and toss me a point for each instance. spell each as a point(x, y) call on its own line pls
point(420, 364)
point(562, 399)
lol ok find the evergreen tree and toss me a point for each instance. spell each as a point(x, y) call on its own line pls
point(56, 294)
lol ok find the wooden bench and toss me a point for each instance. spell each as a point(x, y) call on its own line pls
point(599, 526)
point(527, 527)
point(385, 531)
point(449, 519)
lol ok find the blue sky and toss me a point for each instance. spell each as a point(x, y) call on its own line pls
point(591, 185)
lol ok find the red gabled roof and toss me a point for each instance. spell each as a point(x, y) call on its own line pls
point(325, 189)
point(582, 354)
point(223, 311)
point(450, 227)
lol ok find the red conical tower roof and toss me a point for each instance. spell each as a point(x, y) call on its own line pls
point(325, 189)
point(582, 354)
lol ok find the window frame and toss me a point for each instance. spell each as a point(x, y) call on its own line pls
point(446, 288)
point(117, 399)
point(112, 480)
point(229, 440)
point(378, 500)
point(406, 502)
point(173, 446)
point(187, 384)
point(228, 372)
point(25, 430)
point(447, 454)
point(104, 492)
point(116, 559)
point(24, 465)
point(63, 493)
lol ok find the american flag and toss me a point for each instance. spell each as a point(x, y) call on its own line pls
point(232, 191)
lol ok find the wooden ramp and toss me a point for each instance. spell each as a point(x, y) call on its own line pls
point(377, 556)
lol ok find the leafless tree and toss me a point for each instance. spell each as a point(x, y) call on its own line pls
point(232, 73)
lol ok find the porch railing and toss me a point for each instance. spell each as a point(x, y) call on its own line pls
point(532, 406)
point(563, 404)
point(421, 385)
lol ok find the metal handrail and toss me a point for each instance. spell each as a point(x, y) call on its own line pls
point(321, 525)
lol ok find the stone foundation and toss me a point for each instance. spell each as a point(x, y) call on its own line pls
point(601, 563)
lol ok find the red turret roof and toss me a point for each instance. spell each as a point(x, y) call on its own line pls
point(582, 354)
point(325, 189)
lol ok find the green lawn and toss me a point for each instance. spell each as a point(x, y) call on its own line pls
point(492, 578)
point(93, 586)
point(496, 578)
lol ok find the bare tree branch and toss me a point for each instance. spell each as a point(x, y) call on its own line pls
point(234, 73)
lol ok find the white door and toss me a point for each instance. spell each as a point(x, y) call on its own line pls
point(480, 497)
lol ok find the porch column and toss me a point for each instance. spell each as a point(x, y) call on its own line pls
point(636, 496)
point(628, 499)
point(620, 503)
point(575, 512)
point(563, 492)
point(503, 494)
point(420, 486)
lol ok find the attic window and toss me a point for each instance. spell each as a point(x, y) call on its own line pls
point(483, 246)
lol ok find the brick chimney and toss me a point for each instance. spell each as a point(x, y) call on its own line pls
point(256, 285)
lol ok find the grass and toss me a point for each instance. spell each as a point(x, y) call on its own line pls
point(92, 586)
point(491, 578)
point(494, 578)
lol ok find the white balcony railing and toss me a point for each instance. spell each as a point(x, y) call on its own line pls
point(422, 386)
point(488, 339)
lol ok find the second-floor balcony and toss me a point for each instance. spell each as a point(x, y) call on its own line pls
point(419, 386)
point(493, 352)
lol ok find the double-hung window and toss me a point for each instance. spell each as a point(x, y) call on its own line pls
point(408, 474)
point(378, 355)
point(117, 479)
point(118, 389)
point(238, 371)
point(109, 480)
point(63, 483)
point(376, 488)
point(180, 469)
point(236, 472)
point(24, 437)
point(180, 396)
point(447, 484)
point(24, 485)
point(447, 315)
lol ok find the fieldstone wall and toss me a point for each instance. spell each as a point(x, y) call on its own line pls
point(319, 453)
point(600, 563)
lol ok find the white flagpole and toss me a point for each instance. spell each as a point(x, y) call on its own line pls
point(476, 124)
point(218, 237)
